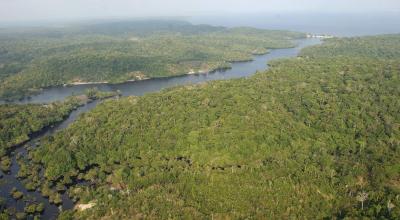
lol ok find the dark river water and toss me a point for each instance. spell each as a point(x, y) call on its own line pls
point(138, 88)
point(9, 180)
point(241, 69)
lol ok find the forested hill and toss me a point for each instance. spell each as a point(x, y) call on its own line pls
point(314, 137)
point(121, 50)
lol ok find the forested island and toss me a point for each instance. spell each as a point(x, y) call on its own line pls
point(123, 51)
point(314, 137)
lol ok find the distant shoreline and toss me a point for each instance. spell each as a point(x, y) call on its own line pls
point(85, 83)
point(200, 72)
point(320, 36)
point(191, 72)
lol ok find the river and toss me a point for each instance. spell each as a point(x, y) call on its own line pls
point(10, 180)
point(138, 88)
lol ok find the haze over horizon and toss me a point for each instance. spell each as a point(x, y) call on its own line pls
point(44, 10)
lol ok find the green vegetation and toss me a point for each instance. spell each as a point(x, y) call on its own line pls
point(3, 214)
point(20, 215)
point(121, 51)
point(34, 208)
point(6, 213)
point(18, 122)
point(95, 94)
point(377, 47)
point(314, 137)
point(16, 194)
point(5, 163)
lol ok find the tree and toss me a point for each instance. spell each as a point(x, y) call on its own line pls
point(362, 197)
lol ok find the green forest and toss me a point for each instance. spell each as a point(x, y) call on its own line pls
point(18, 122)
point(314, 137)
point(123, 51)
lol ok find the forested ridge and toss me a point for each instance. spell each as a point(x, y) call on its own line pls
point(314, 137)
point(123, 50)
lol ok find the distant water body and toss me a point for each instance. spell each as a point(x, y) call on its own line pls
point(58, 93)
point(138, 88)
point(338, 24)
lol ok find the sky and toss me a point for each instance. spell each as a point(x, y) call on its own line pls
point(31, 10)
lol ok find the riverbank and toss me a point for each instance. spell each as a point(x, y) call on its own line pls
point(131, 88)
point(249, 140)
point(191, 72)
point(15, 181)
point(47, 115)
point(141, 87)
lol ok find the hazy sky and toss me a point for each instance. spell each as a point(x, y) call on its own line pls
point(29, 10)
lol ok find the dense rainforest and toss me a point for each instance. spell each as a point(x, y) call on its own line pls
point(123, 50)
point(314, 137)
point(19, 122)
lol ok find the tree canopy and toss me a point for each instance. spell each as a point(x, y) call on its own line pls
point(122, 51)
point(314, 137)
